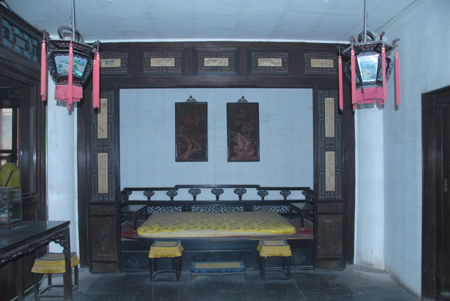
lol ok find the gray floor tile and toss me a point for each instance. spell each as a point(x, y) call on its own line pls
point(116, 283)
point(106, 296)
point(385, 293)
point(329, 294)
point(315, 280)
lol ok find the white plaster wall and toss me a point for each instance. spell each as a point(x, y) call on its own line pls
point(62, 198)
point(425, 66)
point(147, 145)
point(369, 194)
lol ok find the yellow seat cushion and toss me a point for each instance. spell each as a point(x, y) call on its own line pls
point(211, 224)
point(160, 249)
point(53, 263)
point(273, 248)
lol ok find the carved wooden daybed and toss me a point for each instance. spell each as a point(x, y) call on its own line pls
point(248, 201)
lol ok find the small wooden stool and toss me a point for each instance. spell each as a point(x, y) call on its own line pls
point(53, 263)
point(165, 249)
point(275, 248)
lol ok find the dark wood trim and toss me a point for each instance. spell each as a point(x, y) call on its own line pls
point(431, 187)
point(27, 71)
point(296, 74)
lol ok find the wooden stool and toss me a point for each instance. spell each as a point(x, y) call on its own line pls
point(275, 248)
point(53, 263)
point(165, 249)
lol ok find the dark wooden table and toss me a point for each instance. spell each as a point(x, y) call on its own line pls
point(29, 237)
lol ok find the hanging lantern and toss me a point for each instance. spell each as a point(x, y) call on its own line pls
point(369, 68)
point(70, 63)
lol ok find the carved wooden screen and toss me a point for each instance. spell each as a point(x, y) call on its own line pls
point(223, 64)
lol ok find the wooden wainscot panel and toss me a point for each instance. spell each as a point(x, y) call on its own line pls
point(216, 61)
point(330, 264)
point(320, 63)
point(330, 207)
point(103, 209)
point(162, 62)
point(330, 242)
point(269, 62)
point(114, 63)
point(104, 238)
point(104, 267)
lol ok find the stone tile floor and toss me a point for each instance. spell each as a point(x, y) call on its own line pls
point(353, 283)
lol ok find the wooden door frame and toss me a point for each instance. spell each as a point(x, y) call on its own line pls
point(98, 213)
point(431, 162)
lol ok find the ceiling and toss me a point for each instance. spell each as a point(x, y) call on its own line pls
point(211, 20)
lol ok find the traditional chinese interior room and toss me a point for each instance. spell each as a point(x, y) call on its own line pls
point(378, 174)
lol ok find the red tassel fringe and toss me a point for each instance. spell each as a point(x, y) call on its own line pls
point(341, 93)
point(62, 93)
point(96, 81)
point(397, 78)
point(353, 78)
point(383, 70)
point(43, 70)
point(70, 79)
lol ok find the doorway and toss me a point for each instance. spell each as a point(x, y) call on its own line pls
point(436, 194)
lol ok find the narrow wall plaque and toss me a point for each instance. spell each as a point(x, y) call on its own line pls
point(102, 119)
point(102, 173)
point(215, 62)
point(110, 63)
point(162, 62)
point(329, 117)
point(322, 63)
point(270, 62)
point(330, 171)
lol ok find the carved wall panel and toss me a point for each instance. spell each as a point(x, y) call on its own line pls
point(104, 238)
point(330, 237)
point(114, 64)
point(269, 62)
point(104, 147)
point(320, 63)
point(330, 207)
point(216, 61)
point(162, 62)
point(329, 143)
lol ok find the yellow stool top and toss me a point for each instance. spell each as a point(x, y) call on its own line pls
point(53, 263)
point(161, 249)
point(273, 248)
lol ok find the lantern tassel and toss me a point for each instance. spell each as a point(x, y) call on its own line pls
point(70, 80)
point(341, 93)
point(353, 67)
point(397, 78)
point(96, 81)
point(43, 69)
point(383, 70)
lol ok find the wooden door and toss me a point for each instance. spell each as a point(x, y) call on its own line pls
point(436, 195)
point(443, 248)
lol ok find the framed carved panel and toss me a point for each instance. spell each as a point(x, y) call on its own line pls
point(191, 131)
point(320, 63)
point(114, 63)
point(162, 62)
point(217, 61)
point(243, 132)
point(269, 62)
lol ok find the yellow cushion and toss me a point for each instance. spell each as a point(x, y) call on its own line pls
point(271, 248)
point(161, 249)
point(53, 263)
point(208, 224)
